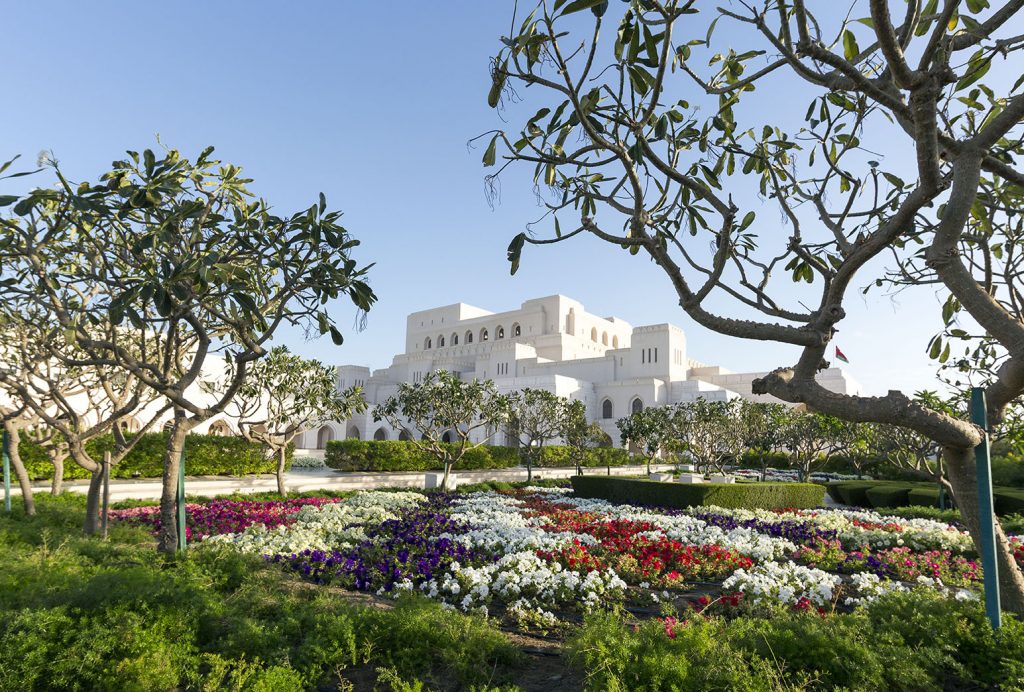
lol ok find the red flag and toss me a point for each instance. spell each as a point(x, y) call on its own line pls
point(841, 356)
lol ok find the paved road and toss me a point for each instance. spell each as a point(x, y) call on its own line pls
point(300, 480)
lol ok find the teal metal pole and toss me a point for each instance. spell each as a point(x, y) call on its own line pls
point(7, 472)
point(986, 510)
point(181, 502)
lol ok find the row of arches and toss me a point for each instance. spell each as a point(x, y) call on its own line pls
point(131, 425)
point(604, 338)
point(483, 335)
point(608, 410)
point(327, 434)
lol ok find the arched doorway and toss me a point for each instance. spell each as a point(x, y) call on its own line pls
point(353, 433)
point(404, 436)
point(380, 435)
point(447, 437)
point(323, 436)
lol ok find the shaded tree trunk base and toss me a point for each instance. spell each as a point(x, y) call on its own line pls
point(20, 473)
point(963, 480)
point(167, 541)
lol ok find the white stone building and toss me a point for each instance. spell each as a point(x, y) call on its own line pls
point(549, 343)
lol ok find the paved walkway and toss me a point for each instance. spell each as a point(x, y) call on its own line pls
point(300, 480)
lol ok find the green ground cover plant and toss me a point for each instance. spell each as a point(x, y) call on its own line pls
point(897, 643)
point(79, 614)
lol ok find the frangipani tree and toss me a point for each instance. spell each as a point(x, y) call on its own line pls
point(446, 412)
point(711, 432)
point(535, 415)
point(285, 394)
point(812, 439)
point(67, 394)
point(172, 271)
point(579, 434)
point(904, 171)
point(646, 432)
point(763, 427)
point(860, 444)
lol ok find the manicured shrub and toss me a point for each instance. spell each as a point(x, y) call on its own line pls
point(205, 455)
point(747, 495)
point(401, 455)
point(854, 493)
point(752, 460)
point(886, 494)
point(881, 496)
point(1008, 501)
point(1008, 469)
point(923, 496)
point(833, 491)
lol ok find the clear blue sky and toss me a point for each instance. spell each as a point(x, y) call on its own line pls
point(373, 104)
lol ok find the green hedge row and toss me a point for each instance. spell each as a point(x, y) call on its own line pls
point(400, 455)
point(733, 495)
point(205, 455)
point(888, 494)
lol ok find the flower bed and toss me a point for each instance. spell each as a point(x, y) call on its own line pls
point(220, 517)
point(538, 555)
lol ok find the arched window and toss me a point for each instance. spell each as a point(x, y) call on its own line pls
point(426, 344)
point(447, 437)
point(615, 342)
point(381, 434)
point(483, 334)
point(455, 339)
point(604, 338)
point(593, 334)
point(404, 436)
point(129, 425)
point(469, 337)
point(499, 333)
point(440, 342)
point(219, 428)
point(637, 406)
point(606, 409)
point(516, 330)
point(353, 433)
point(325, 435)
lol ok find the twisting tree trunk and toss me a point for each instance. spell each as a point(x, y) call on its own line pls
point(282, 456)
point(14, 439)
point(960, 465)
point(92, 502)
point(57, 484)
point(447, 471)
point(168, 537)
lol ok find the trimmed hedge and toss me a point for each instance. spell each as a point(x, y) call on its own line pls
point(855, 493)
point(888, 494)
point(205, 455)
point(401, 455)
point(1009, 501)
point(679, 495)
point(923, 496)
